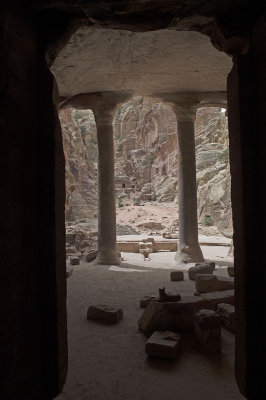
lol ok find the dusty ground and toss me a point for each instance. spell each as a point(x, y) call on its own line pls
point(108, 362)
point(164, 213)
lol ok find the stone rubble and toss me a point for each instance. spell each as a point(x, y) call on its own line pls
point(179, 316)
point(207, 331)
point(177, 275)
point(104, 313)
point(227, 315)
point(164, 344)
point(202, 268)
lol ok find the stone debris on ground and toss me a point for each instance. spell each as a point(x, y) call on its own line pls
point(225, 283)
point(201, 268)
point(227, 315)
point(179, 316)
point(207, 331)
point(231, 271)
point(163, 344)
point(205, 283)
point(177, 275)
point(145, 300)
point(104, 313)
point(74, 261)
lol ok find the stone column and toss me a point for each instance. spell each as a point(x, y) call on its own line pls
point(106, 188)
point(189, 249)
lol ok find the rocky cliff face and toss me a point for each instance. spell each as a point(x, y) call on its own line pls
point(79, 140)
point(146, 159)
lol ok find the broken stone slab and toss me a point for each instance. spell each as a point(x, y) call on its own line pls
point(91, 255)
point(212, 264)
point(207, 331)
point(74, 260)
point(179, 316)
point(205, 283)
point(146, 246)
point(231, 271)
point(164, 344)
point(104, 313)
point(145, 300)
point(227, 315)
point(177, 275)
point(202, 268)
point(225, 283)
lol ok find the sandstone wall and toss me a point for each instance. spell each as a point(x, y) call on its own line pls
point(146, 159)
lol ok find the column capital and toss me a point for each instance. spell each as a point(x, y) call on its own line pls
point(185, 112)
point(103, 104)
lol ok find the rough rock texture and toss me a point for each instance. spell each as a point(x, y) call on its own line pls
point(179, 316)
point(79, 141)
point(207, 331)
point(146, 160)
point(227, 315)
point(163, 345)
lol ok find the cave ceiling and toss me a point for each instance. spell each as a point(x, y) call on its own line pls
point(146, 63)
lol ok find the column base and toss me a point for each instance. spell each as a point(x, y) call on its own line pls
point(107, 257)
point(189, 254)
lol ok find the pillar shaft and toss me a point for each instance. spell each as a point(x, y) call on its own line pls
point(189, 249)
point(106, 191)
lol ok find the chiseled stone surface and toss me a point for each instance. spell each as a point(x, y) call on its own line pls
point(202, 268)
point(227, 315)
point(177, 275)
point(179, 316)
point(152, 62)
point(207, 331)
point(164, 344)
point(105, 313)
point(206, 283)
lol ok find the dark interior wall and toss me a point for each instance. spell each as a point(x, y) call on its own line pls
point(247, 133)
point(33, 344)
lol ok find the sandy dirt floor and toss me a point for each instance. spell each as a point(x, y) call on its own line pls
point(108, 362)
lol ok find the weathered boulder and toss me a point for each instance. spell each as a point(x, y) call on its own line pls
point(201, 268)
point(163, 345)
point(227, 315)
point(104, 313)
point(179, 316)
point(206, 283)
point(207, 331)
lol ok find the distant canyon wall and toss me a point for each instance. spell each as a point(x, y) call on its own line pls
point(146, 158)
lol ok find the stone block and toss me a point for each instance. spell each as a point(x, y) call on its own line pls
point(227, 315)
point(179, 316)
point(104, 313)
point(145, 300)
point(202, 268)
point(74, 260)
point(164, 344)
point(177, 275)
point(91, 255)
point(207, 331)
point(225, 283)
point(148, 240)
point(70, 237)
point(205, 283)
point(231, 271)
point(146, 245)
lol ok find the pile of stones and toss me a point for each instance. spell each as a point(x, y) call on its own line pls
point(166, 320)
